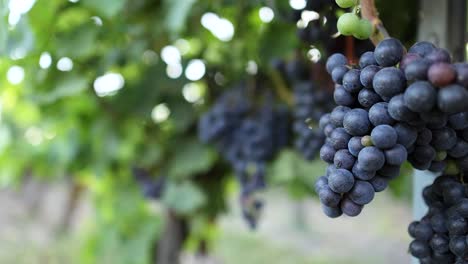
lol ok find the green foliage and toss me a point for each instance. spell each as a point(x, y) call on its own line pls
point(184, 198)
point(55, 124)
point(296, 174)
point(125, 227)
point(191, 158)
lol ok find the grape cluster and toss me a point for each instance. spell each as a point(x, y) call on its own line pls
point(390, 109)
point(441, 236)
point(350, 24)
point(247, 136)
point(310, 103)
point(151, 188)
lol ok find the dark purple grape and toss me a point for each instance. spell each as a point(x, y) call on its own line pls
point(371, 158)
point(389, 52)
point(344, 159)
point(462, 73)
point(356, 122)
point(332, 212)
point(407, 135)
point(329, 197)
point(396, 155)
point(367, 75)
point(351, 81)
point(338, 114)
point(459, 121)
point(362, 193)
point(361, 173)
point(439, 55)
point(355, 146)
point(384, 136)
point(389, 82)
point(367, 98)
point(350, 208)
point(378, 114)
point(367, 58)
point(422, 48)
point(420, 97)
point(417, 70)
point(334, 61)
point(452, 99)
point(399, 111)
point(419, 249)
point(379, 183)
point(327, 153)
point(338, 73)
point(343, 97)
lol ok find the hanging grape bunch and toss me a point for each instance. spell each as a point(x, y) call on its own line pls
point(247, 134)
point(441, 235)
point(392, 107)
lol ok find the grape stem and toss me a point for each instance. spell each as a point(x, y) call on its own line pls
point(369, 12)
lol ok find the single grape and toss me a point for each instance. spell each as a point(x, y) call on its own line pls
point(346, 3)
point(439, 55)
point(368, 73)
point(379, 183)
point(344, 159)
point(420, 97)
point(367, 58)
point(389, 52)
point(354, 146)
point(364, 29)
point(452, 99)
point(417, 70)
point(441, 74)
point(362, 193)
point(329, 197)
point(334, 61)
point(348, 23)
point(422, 48)
point(389, 82)
point(338, 73)
point(356, 122)
point(343, 97)
point(371, 158)
point(378, 114)
point(351, 81)
point(350, 208)
point(384, 136)
point(396, 155)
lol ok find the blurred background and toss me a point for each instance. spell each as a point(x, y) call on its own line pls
point(100, 160)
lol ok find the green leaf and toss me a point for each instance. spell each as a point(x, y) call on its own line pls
point(271, 45)
point(283, 169)
point(80, 42)
point(295, 173)
point(106, 8)
point(177, 13)
point(191, 158)
point(68, 85)
point(184, 198)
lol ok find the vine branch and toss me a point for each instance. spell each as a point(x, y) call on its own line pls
point(369, 12)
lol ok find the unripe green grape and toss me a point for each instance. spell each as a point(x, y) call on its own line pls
point(364, 30)
point(366, 141)
point(347, 24)
point(346, 3)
